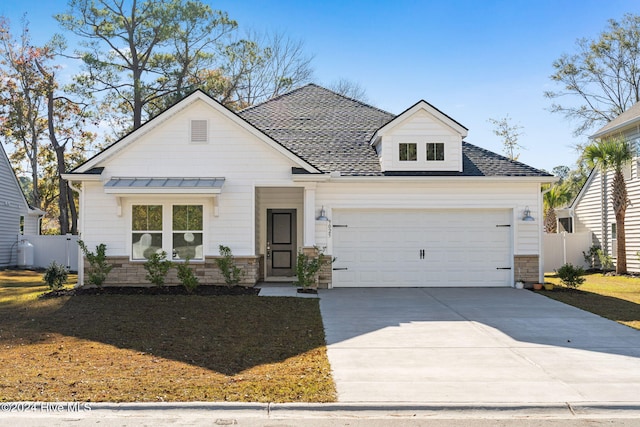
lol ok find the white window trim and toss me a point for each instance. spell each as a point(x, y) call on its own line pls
point(167, 226)
point(426, 154)
point(398, 151)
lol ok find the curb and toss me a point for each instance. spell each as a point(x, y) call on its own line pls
point(364, 410)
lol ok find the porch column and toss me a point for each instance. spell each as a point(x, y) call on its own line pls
point(309, 229)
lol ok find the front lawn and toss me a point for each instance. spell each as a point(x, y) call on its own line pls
point(614, 297)
point(125, 348)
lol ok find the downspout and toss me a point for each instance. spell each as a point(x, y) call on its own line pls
point(80, 231)
point(541, 234)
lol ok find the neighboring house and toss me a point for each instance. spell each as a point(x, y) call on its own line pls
point(16, 216)
point(397, 200)
point(592, 209)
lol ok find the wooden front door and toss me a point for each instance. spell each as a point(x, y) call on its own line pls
point(281, 242)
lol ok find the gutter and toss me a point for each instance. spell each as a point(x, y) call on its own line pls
point(336, 177)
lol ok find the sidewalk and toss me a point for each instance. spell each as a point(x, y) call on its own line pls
point(259, 414)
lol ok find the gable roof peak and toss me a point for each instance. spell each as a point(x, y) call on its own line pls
point(629, 117)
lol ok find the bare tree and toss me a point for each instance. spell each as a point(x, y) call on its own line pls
point(350, 89)
point(262, 66)
point(509, 134)
point(602, 79)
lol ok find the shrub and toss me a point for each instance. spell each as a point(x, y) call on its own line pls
point(99, 268)
point(226, 263)
point(591, 257)
point(186, 276)
point(55, 276)
point(571, 276)
point(157, 266)
point(606, 263)
point(307, 268)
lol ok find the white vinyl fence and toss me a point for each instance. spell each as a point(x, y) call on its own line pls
point(61, 249)
point(562, 248)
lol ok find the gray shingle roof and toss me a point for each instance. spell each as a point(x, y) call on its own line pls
point(333, 133)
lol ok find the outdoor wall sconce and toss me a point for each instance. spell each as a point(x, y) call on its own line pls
point(323, 215)
point(526, 215)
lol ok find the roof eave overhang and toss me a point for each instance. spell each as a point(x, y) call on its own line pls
point(615, 129)
point(430, 109)
point(314, 177)
point(118, 146)
point(482, 179)
point(82, 177)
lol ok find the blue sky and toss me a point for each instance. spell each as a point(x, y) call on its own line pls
point(473, 60)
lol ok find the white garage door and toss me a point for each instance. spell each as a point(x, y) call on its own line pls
point(422, 248)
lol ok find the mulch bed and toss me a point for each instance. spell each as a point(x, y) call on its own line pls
point(153, 290)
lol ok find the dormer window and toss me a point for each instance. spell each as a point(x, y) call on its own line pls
point(435, 151)
point(408, 152)
point(199, 132)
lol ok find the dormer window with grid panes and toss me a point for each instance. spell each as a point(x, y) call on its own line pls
point(199, 131)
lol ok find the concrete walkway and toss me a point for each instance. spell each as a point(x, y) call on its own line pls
point(475, 346)
point(280, 289)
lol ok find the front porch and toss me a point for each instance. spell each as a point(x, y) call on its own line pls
point(286, 223)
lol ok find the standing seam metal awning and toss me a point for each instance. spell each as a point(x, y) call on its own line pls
point(164, 185)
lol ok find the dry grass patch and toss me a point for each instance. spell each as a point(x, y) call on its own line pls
point(163, 348)
point(613, 297)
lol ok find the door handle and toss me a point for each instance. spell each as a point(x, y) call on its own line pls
point(422, 253)
point(268, 249)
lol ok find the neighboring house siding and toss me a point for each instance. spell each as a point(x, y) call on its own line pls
point(632, 218)
point(12, 206)
point(437, 195)
point(588, 212)
point(596, 215)
point(232, 152)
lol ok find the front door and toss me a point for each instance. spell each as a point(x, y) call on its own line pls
point(281, 242)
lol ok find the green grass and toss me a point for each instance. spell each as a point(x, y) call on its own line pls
point(613, 297)
point(126, 348)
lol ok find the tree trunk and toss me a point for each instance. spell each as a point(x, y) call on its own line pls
point(621, 258)
point(551, 221)
point(63, 189)
point(59, 150)
point(72, 210)
point(620, 202)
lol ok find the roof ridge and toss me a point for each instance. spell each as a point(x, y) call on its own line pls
point(282, 95)
point(317, 86)
point(353, 99)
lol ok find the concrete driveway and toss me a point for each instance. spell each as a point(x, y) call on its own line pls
point(475, 346)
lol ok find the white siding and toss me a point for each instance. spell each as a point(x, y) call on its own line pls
point(590, 216)
point(632, 219)
point(439, 195)
point(232, 152)
point(12, 206)
point(422, 128)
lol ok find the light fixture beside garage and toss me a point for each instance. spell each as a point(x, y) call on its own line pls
point(526, 215)
point(323, 215)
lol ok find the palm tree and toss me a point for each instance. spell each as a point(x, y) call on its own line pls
point(557, 196)
point(614, 154)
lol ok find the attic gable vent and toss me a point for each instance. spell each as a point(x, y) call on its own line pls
point(199, 131)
